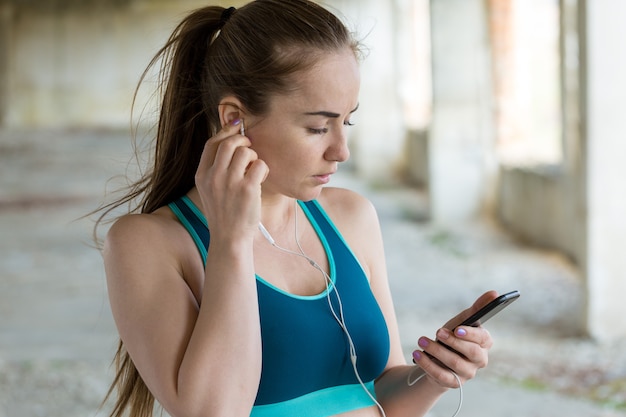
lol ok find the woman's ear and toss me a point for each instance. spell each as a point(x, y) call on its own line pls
point(229, 109)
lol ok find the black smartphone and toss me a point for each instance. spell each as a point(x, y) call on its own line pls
point(482, 315)
point(491, 309)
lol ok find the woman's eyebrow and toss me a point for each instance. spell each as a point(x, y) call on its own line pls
point(329, 114)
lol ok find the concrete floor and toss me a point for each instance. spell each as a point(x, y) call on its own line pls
point(57, 336)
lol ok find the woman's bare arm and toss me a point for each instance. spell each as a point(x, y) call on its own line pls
point(199, 357)
point(198, 360)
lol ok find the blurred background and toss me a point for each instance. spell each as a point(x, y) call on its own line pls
point(490, 137)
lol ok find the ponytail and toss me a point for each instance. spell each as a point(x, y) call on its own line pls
point(183, 126)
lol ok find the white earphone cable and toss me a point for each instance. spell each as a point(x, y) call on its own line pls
point(410, 383)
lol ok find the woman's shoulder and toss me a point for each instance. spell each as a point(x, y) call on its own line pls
point(344, 205)
point(145, 234)
point(141, 226)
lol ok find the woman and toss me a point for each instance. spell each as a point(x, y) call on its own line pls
point(245, 286)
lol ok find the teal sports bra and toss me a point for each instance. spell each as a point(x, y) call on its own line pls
point(306, 369)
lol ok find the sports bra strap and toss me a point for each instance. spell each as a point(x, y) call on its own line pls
point(195, 223)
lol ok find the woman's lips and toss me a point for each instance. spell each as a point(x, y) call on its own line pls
point(324, 178)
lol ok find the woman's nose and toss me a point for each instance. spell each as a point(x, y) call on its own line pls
point(338, 150)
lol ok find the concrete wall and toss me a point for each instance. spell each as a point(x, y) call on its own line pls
point(77, 64)
point(534, 204)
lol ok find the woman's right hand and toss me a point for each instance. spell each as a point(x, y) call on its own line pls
point(228, 179)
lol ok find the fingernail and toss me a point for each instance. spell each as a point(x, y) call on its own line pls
point(417, 355)
point(461, 332)
point(423, 342)
point(443, 334)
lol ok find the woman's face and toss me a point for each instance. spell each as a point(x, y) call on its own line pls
point(303, 137)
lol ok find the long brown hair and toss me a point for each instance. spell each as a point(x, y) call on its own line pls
point(252, 53)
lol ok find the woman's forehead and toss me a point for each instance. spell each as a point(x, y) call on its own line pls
point(332, 85)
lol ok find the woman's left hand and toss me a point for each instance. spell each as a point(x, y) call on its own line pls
point(465, 352)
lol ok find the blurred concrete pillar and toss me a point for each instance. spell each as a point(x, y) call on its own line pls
point(462, 163)
point(573, 177)
point(377, 139)
point(604, 130)
point(502, 34)
point(5, 33)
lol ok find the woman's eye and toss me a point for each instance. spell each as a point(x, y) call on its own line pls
point(320, 131)
point(324, 130)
